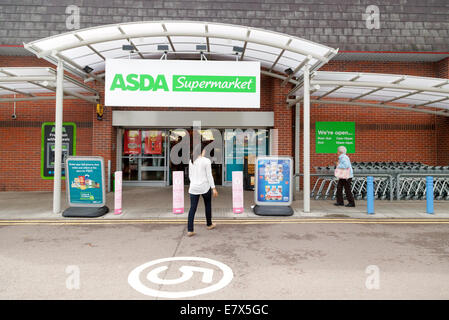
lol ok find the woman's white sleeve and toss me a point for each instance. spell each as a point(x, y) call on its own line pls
point(210, 178)
point(190, 171)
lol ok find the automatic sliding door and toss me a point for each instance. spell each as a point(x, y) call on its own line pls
point(154, 156)
point(207, 136)
point(144, 157)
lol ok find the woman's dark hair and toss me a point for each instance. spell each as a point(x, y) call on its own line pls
point(197, 149)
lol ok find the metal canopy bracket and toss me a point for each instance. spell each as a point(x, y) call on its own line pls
point(299, 67)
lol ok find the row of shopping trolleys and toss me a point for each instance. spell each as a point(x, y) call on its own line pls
point(388, 168)
point(392, 180)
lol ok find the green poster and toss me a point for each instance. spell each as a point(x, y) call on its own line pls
point(48, 147)
point(329, 135)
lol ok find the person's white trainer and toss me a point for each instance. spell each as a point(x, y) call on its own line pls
point(212, 226)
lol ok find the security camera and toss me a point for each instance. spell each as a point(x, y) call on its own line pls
point(14, 116)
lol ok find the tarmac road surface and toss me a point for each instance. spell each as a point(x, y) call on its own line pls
point(300, 260)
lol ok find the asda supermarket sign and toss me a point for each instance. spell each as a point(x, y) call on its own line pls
point(182, 83)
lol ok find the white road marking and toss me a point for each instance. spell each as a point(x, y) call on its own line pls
point(187, 273)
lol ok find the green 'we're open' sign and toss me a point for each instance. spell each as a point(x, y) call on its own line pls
point(329, 135)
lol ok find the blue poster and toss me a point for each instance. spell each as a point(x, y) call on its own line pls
point(273, 180)
point(85, 181)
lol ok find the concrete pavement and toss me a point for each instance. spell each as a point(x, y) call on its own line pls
point(155, 202)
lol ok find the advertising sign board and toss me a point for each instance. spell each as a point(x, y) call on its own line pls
point(85, 182)
point(274, 176)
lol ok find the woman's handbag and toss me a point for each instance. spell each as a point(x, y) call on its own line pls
point(342, 173)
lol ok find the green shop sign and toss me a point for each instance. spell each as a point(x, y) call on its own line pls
point(329, 135)
point(183, 83)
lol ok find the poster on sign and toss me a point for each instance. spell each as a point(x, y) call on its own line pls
point(153, 142)
point(274, 180)
point(85, 181)
point(132, 142)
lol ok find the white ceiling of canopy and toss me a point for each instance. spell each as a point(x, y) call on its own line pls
point(11, 85)
point(90, 47)
point(384, 89)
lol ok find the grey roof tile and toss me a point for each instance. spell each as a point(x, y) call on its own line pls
point(405, 25)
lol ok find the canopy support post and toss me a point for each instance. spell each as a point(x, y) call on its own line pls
point(306, 136)
point(297, 154)
point(58, 136)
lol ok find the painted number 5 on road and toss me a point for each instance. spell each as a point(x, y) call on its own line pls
point(187, 273)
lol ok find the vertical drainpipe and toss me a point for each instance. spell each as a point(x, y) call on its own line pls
point(306, 133)
point(58, 137)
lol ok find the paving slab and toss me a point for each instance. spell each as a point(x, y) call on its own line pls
point(156, 203)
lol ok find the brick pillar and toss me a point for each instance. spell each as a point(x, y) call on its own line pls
point(442, 68)
point(442, 123)
point(103, 139)
point(283, 119)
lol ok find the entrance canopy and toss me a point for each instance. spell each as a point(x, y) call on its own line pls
point(402, 92)
point(85, 51)
point(39, 83)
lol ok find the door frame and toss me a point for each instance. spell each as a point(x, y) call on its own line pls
point(148, 183)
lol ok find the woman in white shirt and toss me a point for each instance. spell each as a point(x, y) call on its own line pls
point(201, 183)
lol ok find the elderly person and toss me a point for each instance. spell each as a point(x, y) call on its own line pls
point(344, 163)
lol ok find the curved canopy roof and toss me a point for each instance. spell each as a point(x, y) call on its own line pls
point(38, 83)
point(420, 94)
point(92, 46)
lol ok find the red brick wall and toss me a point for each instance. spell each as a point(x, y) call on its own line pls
point(24, 61)
point(422, 69)
point(443, 68)
point(381, 134)
point(442, 141)
point(284, 120)
point(20, 141)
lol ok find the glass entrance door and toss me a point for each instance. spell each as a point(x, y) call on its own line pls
point(253, 142)
point(145, 157)
point(207, 135)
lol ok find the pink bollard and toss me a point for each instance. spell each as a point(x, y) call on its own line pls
point(237, 191)
point(178, 192)
point(118, 192)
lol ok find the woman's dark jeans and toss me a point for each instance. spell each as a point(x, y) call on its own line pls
point(194, 198)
